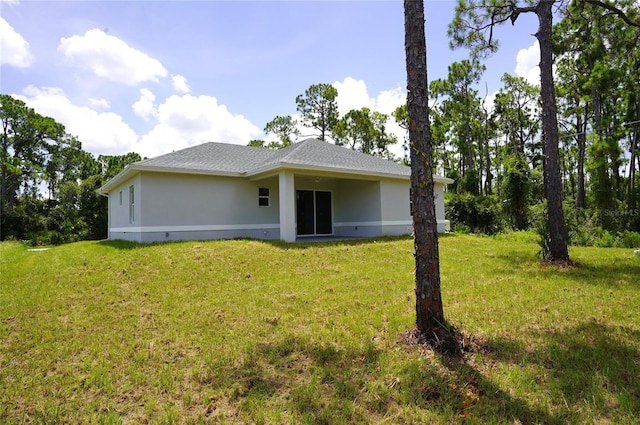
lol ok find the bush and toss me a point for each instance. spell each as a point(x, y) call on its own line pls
point(516, 188)
point(480, 214)
point(587, 232)
point(630, 239)
point(461, 228)
point(597, 236)
point(541, 227)
point(606, 239)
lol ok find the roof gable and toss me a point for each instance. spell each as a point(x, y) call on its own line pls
point(314, 154)
point(210, 157)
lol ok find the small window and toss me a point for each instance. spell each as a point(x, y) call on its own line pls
point(263, 197)
point(120, 197)
point(131, 205)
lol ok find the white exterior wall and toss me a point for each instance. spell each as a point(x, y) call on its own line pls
point(196, 207)
point(357, 209)
point(438, 192)
point(119, 212)
point(396, 214)
point(192, 207)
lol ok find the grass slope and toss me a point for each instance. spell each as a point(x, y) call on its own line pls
point(259, 332)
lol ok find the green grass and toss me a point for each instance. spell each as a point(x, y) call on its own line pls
point(258, 332)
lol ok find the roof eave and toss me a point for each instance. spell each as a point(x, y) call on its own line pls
point(128, 172)
point(441, 179)
point(271, 169)
point(133, 169)
point(274, 168)
point(176, 170)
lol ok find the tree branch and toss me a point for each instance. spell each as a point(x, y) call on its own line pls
point(516, 11)
point(615, 10)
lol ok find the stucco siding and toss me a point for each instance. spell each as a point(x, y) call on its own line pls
point(438, 193)
point(357, 201)
point(395, 200)
point(171, 206)
point(396, 214)
point(188, 200)
point(188, 207)
point(119, 204)
point(357, 211)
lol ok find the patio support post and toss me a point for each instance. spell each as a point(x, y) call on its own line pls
point(287, 195)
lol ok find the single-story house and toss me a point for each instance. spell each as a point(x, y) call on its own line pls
point(220, 191)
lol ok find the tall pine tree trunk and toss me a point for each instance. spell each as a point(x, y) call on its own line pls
point(553, 183)
point(429, 312)
point(634, 145)
point(581, 198)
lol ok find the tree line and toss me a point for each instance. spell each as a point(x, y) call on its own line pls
point(567, 150)
point(510, 159)
point(49, 184)
point(497, 156)
point(362, 129)
point(473, 27)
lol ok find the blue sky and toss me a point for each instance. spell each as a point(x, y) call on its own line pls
point(157, 76)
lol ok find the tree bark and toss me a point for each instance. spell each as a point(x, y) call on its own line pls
point(429, 311)
point(553, 183)
point(633, 148)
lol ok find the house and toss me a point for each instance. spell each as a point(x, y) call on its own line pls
point(220, 191)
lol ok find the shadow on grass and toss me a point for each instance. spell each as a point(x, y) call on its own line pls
point(484, 401)
point(598, 363)
point(300, 244)
point(610, 274)
point(591, 372)
point(316, 381)
point(585, 271)
point(584, 374)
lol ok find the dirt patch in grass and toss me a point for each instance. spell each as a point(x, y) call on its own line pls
point(450, 342)
point(563, 264)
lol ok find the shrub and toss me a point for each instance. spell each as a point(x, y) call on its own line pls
point(541, 227)
point(515, 190)
point(461, 228)
point(630, 239)
point(480, 214)
point(605, 239)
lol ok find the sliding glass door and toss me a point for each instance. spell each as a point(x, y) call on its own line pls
point(313, 212)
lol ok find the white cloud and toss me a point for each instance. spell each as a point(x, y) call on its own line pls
point(490, 101)
point(180, 84)
point(99, 132)
point(144, 107)
point(527, 63)
point(100, 103)
point(187, 120)
point(352, 94)
point(389, 100)
point(111, 58)
point(14, 48)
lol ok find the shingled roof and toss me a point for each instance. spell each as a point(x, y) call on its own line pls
point(235, 160)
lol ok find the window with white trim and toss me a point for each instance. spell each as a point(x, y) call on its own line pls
point(263, 197)
point(131, 204)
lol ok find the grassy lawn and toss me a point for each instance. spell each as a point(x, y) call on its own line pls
point(259, 332)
